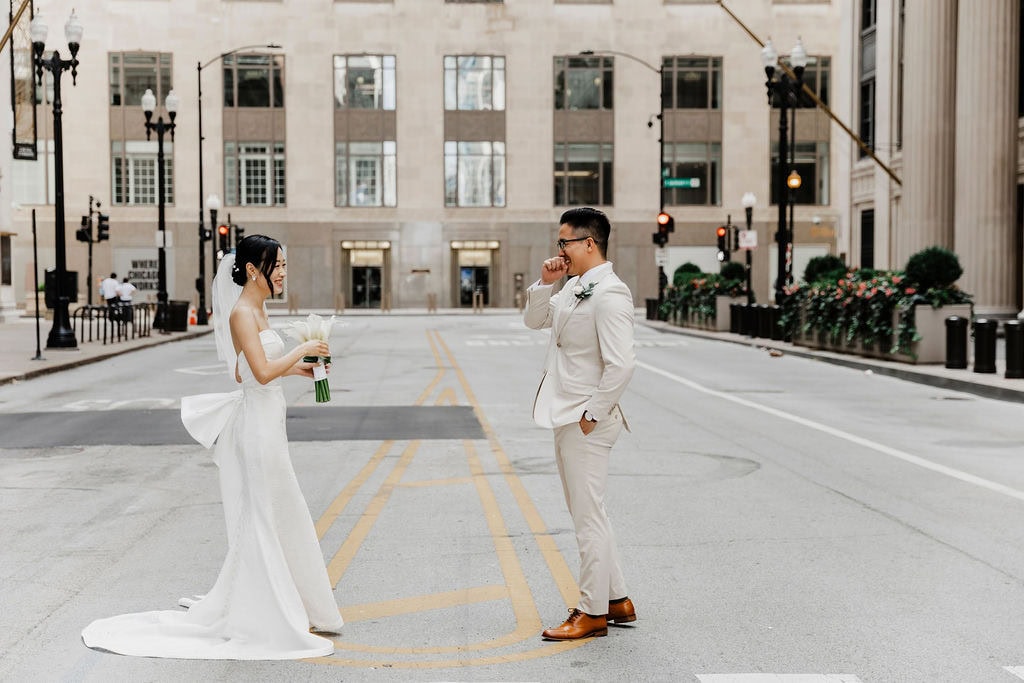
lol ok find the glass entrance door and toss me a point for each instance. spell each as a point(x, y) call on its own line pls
point(474, 279)
point(366, 286)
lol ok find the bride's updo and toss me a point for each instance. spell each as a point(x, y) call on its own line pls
point(259, 250)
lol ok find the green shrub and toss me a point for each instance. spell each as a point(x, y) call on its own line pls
point(685, 273)
point(933, 268)
point(827, 267)
point(732, 270)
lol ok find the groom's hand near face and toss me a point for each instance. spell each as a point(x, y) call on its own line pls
point(553, 270)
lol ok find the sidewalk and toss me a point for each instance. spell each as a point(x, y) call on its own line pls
point(18, 349)
point(989, 385)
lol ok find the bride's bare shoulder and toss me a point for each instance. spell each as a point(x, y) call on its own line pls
point(242, 314)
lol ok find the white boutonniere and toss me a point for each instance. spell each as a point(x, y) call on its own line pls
point(581, 292)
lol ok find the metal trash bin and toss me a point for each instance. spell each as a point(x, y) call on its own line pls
point(176, 319)
point(652, 309)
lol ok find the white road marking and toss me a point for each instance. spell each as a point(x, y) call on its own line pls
point(838, 433)
point(1017, 671)
point(778, 678)
point(132, 403)
point(202, 369)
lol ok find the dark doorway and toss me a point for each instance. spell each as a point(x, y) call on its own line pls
point(471, 279)
point(366, 286)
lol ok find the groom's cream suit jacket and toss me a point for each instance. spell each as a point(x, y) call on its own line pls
point(590, 356)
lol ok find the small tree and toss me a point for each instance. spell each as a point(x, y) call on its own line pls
point(827, 267)
point(685, 273)
point(933, 268)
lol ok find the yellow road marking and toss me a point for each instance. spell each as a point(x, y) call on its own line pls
point(516, 588)
point(391, 608)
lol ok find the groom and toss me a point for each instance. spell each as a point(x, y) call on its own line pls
point(589, 362)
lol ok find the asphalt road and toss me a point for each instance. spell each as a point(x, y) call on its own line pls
point(777, 516)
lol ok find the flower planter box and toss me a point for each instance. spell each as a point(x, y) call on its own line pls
point(930, 324)
point(721, 321)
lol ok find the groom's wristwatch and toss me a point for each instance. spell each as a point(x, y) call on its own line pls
point(589, 416)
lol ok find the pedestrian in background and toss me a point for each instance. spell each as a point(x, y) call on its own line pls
point(125, 290)
point(590, 360)
point(108, 289)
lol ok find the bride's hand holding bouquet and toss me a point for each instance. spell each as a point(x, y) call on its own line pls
point(313, 334)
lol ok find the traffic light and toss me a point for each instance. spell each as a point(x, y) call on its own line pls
point(102, 227)
point(666, 220)
point(239, 234)
point(205, 234)
point(84, 233)
point(722, 232)
point(666, 224)
point(223, 231)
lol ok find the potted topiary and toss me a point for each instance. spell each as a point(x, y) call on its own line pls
point(931, 296)
point(731, 286)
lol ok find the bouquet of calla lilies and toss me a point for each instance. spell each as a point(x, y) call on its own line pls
point(315, 327)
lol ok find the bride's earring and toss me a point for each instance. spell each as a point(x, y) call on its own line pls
point(254, 278)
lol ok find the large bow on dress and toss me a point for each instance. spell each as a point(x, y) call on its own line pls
point(206, 415)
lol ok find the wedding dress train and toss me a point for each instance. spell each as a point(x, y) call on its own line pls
point(273, 586)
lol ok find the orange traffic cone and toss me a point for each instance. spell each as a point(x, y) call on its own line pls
point(192, 319)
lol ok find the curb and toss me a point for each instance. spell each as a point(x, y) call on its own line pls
point(938, 381)
point(31, 374)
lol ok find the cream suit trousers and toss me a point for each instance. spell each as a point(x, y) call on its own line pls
point(583, 465)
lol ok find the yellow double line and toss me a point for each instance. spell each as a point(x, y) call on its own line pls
point(515, 587)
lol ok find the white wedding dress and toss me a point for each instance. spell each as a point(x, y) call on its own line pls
point(273, 586)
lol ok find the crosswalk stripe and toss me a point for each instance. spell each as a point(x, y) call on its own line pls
point(777, 678)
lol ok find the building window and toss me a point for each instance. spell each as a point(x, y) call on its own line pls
point(583, 174)
point(365, 174)
point(132, 73)
point(474, 173)
point(899, 77)
point(692, 82)
point(867, 238)
point(867, 75)
point(253, 81)
point(32, 182)
point(133, 164)
point(134, 173)
point(583, 83)
point(254, 174)
point(474, 83)
point(696, 169)
point(364, 82)
point(5, 260)
point(811, 162)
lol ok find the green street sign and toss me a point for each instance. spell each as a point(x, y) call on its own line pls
point(687, 183)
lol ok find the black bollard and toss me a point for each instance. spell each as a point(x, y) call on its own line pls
point(956, 342)
point(734, 318)
point(750, 320)
point(775, 312)
point(1014, 349)
point(764, 321)
point(985, 345)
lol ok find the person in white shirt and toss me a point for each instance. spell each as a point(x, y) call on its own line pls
point(124, 293)
point(108, 289)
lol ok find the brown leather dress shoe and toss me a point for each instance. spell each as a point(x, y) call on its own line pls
point(578, 625)
point(621, 612)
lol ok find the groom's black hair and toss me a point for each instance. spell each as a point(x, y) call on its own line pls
point(259, 250)
point(589, 221)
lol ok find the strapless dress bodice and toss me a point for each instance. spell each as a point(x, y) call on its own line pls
point(273, 347)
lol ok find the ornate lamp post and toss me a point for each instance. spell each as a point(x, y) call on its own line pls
point(213, 206)
point(61, 335)
point(783, 86)
point(749, 201)
point(161, 127)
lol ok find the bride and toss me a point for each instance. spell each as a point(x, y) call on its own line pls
point(272, 589)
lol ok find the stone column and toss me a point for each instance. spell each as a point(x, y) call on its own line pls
point(988, 34)
point(929, 87)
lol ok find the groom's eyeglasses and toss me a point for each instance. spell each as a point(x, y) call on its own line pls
point(561, 243)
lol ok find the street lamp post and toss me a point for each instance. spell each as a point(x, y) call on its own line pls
point(160, 127)
point(201, 317)
point(61, 335)
point(749, 201)
point(786, 88)
point(662, 278)
point(213, 206)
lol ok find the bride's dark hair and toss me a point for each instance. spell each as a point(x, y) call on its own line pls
point(259, 250)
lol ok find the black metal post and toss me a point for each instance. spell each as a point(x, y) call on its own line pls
point(750, 292)
point(61, 335)
point(160, 127)
point(35, 278)
point(781, 233)
point(201, 318)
